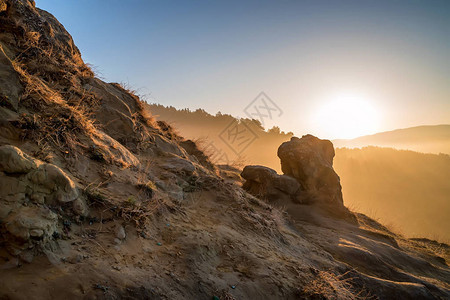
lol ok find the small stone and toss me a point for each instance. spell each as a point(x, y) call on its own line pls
point(120, 233)
point(80, 208)
point(27, 256)
point(75, 259)
point(36, 232)
point(38, 198)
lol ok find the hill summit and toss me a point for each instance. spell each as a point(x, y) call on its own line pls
point(100, 201)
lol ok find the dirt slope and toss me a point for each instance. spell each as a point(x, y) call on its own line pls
point(98, 201)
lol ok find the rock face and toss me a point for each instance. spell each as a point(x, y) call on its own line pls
point(27, 177)
point(13, 160)
point(28, 188)
point(265, 182)
point(309, 177)
point(310, 161)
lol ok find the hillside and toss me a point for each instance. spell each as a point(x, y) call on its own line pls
point(427, 139)
point(405, 189)
point(100, 201)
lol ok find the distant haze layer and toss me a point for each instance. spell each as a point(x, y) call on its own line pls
point(427, 139)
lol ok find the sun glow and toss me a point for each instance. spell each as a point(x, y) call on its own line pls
point(346, 117)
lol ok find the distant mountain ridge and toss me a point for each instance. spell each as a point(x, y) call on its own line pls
point(427, 138)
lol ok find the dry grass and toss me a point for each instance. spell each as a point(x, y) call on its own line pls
point(146, 187)
point(141, 213)
point(144, 115)
point(137, 209)
point(57, 120)
point(40, 57)
point(328, 285)
point(56, 114)
point(437, 248)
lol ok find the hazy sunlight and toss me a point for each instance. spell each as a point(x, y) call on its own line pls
point(347, 116)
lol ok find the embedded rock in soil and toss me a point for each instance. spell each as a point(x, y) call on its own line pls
point(13, 160)
point(28, 188)
point(265, 182)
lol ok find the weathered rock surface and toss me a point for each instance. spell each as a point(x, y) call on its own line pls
point(178, 165)
point(265, 182)
point(28, 187)
point(13, 160)
point(31, 223)
point(310, 161)
point(309, 177)
point(27, 177)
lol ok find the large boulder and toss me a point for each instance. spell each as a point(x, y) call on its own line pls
point(310, 161)
point(265, 182)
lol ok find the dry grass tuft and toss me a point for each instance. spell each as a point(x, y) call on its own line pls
point(54, 119)
point(142, 212)
point(328, 285)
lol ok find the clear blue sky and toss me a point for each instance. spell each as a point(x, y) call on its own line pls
point(218, 55)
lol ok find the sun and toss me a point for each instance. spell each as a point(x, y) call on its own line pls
point(346, 117)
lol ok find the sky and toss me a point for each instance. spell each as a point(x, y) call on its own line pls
point(336, 69)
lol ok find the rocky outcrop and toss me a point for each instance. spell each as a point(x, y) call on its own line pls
point(265, 182)
point(26, 177)
point(309, 177)
point(28, 188)
point(29, 28)
point(13, 160)
point(27, 227)
point(310, 161)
